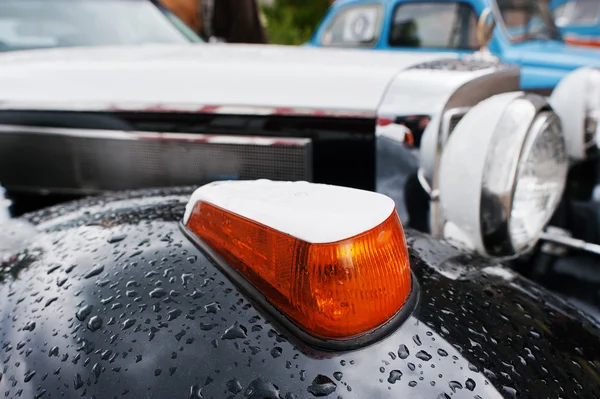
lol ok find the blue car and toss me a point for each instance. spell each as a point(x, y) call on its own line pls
point(578, 20)
point(524, 33)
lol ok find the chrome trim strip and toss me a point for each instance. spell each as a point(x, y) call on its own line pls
point(137, 135)
point(188, 108)
point(437, 217)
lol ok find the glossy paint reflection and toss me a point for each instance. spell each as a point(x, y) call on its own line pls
point(118, 303)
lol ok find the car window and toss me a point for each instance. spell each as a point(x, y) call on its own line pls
point(28, 24)
point(559, 11)
point(434, 25)
point(525, 20)
point(577, 13)
point(354, 26)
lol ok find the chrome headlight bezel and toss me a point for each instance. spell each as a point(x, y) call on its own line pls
point(545, 124)
point(477, 187)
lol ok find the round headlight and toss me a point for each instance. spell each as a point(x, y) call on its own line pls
point(502, 174)
point(576, 100)
point(539, 182)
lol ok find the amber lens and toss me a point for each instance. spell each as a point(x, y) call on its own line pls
point(335, 291)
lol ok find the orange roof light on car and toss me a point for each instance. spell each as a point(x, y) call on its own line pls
point(332, 259)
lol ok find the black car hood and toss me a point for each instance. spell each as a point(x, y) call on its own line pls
point(110, 299)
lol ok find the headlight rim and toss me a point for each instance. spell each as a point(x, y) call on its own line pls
point(546, 119)
point(500, 242)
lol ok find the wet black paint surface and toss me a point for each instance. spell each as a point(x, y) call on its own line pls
point(111, 300)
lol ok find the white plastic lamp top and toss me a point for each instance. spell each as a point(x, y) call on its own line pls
point(315, 213)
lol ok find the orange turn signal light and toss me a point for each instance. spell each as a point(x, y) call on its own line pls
point(333, 290)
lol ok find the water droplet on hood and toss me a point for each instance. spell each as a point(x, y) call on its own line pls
point(97, 369)
point(116, 238)
point(53, 351)
point(28, 376)
point(108, 300)
point(94, 272)
point(197, 294)
point(423, 356)
point(158, 293)
point(338, 375)
point(470, 384)
point(128, 323)
point(442, 352)
point(208, 327)
point(180, 335)
point(173, 314)
point(50, 300)
point(261, 389)
point(106, 354)
point(510, 392)
point(195, 392)
point(212, 307)
point(95, 323)
point(403, 352)
point(30, 326)
point(52, 268)
point(84, 312)
point(417, 340)
point(454, 385)
point(185, 278)
point(276, 352)
point(321, 386)
point(235, 331)
point(77, 381)
point(233, 386)
point(395, 375)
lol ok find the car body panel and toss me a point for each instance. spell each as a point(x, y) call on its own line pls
point(165, 322)
point(541, 67)
point(154, 75)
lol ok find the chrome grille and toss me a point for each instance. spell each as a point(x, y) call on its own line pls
point(64, 161)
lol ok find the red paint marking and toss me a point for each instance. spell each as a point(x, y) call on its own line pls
point(284, 111)
point(208, 108)
point(384, 121)
point(409, 139)
point(582, 41)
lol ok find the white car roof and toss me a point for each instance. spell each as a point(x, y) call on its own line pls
point(194, 75)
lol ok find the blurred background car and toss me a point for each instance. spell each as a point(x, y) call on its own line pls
point(524, 33)
point(34, 24)
point(578, 20)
